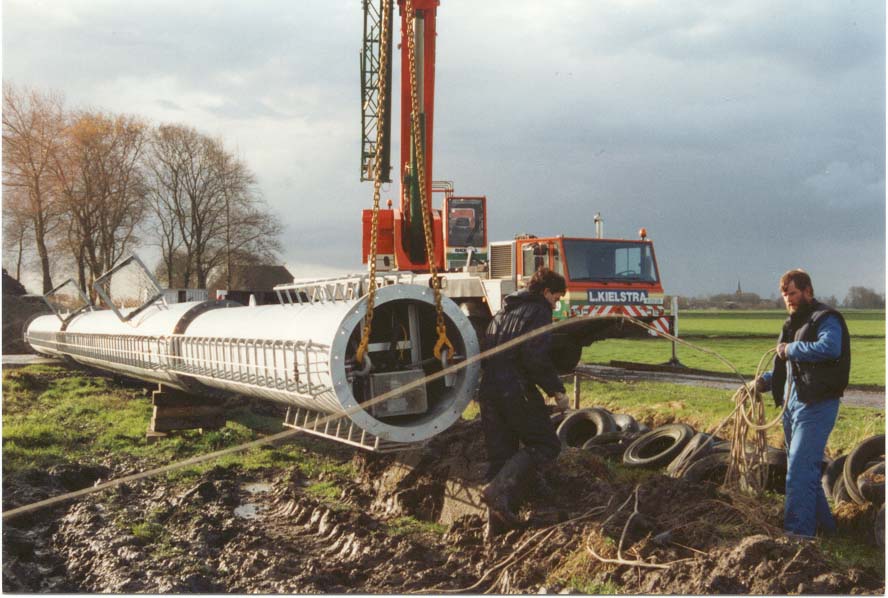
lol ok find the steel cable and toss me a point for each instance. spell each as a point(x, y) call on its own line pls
point(451, 369)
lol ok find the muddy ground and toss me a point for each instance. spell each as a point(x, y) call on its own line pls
point(264, 533)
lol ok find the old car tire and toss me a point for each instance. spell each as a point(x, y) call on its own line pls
point(711, 468)
point(580, 426)
point(606, 438)
point(776, 481)
point(700, 445)
point(839, 492)
point(834, 470)
point(871, 490)
point(557, 417)
point(879, 527)
point(625, 422)
point(871, 449)
point(658, 447)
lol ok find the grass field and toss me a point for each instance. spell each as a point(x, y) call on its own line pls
point(861, 323)
point(743, 337)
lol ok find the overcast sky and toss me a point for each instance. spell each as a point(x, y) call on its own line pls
point(747, 136)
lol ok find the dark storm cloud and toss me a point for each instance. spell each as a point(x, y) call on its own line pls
point(748, 137)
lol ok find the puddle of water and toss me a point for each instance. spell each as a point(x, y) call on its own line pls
point(247, 511)
point(257, 487)
point(250, 510)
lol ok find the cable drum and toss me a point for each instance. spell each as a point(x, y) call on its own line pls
point(658, 447)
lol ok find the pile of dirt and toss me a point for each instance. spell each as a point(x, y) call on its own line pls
point(18, 309)
point(12, 286)
point(410, 523)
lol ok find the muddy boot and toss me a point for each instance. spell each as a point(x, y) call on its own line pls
point(499, 493)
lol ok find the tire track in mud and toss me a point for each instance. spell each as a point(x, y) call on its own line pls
point(269, 532)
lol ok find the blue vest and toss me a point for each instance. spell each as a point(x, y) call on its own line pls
point(814, 380)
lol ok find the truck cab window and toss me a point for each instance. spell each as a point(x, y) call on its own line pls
point(533, 257)
point(593, 260)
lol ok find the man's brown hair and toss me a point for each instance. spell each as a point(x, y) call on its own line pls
point(545, 278)
point(799, 277)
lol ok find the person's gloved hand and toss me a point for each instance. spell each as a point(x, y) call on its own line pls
point(758, 385)
point(562, 402)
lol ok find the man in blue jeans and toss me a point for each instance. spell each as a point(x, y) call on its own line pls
point(810, 373)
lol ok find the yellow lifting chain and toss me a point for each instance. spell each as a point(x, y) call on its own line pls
point(377, 180)
point(440, 327)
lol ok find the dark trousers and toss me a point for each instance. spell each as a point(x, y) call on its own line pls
point(512, 421)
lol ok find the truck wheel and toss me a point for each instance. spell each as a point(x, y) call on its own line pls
point(658, 447)
point(580, 426)
point(565, 356)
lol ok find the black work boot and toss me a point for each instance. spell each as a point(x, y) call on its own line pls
point(499, 493)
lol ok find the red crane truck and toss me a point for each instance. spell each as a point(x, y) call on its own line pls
point(605, 277)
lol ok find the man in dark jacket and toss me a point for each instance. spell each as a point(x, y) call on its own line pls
point(517, 427)
point(810, 373)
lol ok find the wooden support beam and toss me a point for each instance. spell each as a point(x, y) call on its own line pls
point(178, 410)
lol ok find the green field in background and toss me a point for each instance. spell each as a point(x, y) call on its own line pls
point(742, 337)
point(861, 323)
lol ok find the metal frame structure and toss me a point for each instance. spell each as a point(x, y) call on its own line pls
point(372, 131)
point(296, 354)
point(341, 429)
point(106, 297)
point(87, 303)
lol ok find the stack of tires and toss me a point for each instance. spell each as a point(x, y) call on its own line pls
point(598, 430)
point(683, 452)
point(859, 477)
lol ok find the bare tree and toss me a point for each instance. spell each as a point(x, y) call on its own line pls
point(205, 205)
point(32, 123)
point(864, 298)
point(179, 264)
point(16, 227)
point(98, 174)
point(249, 229)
